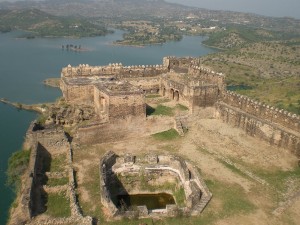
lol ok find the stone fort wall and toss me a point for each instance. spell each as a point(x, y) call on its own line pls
point(276, 126)
point(43, 144)
point(263, 111)
point(204, 88)
point(206, 75)
point(115, 69)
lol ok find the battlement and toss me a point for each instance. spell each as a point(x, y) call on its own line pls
point(264, 111)
point(207, 70)
point(116, 69)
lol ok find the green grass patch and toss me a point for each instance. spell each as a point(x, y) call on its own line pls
point(92, 186)
point(166, 135)
point(41, 120)
point(58, 163)
point(233, 197)
point(58, 205)
point(233, 169)
point(153, 96)
point(231, 200)
point(278, 179)
point(17, 165)
point(179, 196)
point(57, 181)
point(181, 107)
point(159, 110)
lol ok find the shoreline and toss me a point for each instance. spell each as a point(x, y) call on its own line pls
point(39, 108)
point(214, 47)
point(52, 82)
point(127, 45)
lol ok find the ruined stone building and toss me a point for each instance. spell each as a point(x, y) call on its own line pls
point(117, 92)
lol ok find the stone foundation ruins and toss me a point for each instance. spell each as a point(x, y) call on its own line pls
point(114, 170)
point(47, 146)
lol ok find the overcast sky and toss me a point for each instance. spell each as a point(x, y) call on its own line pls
point(277, 8)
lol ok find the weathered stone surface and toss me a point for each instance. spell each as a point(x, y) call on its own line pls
point(111, 166)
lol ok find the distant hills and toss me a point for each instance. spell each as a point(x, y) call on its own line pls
point(43, 24)
point(150, 9)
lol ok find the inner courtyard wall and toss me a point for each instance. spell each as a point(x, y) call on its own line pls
point(126, 106)
point(78, 94)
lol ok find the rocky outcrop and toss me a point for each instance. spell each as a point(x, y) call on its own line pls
point(69, 114)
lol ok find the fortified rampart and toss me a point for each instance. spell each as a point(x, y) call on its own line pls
point(206, 75)
point(263, 111)
point(115, 69)
point(277, 127)
point(185, 81)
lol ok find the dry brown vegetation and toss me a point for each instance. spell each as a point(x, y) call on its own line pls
point(250, 180)
point(269, 69)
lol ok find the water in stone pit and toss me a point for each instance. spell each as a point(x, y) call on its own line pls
point(152, 201)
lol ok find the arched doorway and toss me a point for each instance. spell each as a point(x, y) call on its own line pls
point(102, 104)
point(172, 94)
point(176, 96)
point(163, 91)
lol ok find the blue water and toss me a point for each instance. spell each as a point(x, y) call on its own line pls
point(24, 64)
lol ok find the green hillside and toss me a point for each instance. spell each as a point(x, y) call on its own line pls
point(41, 24)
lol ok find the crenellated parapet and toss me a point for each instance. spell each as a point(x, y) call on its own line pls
point(87, 70)
point(115, 69)
point(142, 71)
point(263, 111)
point(207, 75)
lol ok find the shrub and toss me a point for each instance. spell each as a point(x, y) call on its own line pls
point(17, 165)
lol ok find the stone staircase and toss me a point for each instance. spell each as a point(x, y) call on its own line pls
point(178, 126)
point(200, 207)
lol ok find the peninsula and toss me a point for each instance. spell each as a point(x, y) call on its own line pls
point(170, 127)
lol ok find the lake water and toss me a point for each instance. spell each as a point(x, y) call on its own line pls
point(24, 64)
